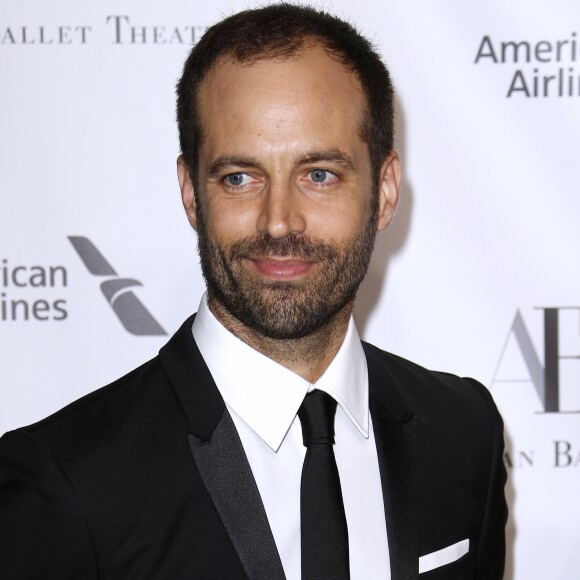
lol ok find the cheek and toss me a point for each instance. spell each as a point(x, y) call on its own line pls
point(339, 222)
point(229, 221)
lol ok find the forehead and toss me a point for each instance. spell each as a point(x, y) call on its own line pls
point(282, 102)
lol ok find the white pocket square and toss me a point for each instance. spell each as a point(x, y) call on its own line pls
point(443, 556)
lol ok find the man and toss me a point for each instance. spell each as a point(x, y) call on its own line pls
point(196, 465)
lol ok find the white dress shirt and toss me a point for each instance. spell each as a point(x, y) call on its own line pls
point(263, 398)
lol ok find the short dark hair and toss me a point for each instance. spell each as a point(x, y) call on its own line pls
point(281, 31)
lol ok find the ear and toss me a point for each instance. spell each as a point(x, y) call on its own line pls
point(389, 185)
point(187, 191)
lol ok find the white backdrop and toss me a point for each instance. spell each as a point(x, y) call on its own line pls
point(485, 239)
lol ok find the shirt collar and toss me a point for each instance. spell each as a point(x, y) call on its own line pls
point(267, 395)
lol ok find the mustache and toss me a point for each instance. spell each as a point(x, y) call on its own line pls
point(291, 246)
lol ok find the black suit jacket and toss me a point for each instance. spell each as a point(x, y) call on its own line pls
point(147, 478)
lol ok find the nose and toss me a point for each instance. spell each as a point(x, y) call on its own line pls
point(281, 213)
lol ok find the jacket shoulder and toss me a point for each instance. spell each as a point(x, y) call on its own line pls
point(121, 398)
point(126, 413)
point(428, 392)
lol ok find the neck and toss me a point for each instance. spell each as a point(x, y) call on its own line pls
point(308, 356)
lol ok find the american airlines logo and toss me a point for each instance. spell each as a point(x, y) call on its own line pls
point(541, 68)
point(130, 311)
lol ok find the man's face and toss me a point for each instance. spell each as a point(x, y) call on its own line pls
point(287, 210)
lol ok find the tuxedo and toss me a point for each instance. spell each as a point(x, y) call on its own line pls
point(147, 478)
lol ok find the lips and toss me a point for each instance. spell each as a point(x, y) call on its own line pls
point(282, 269)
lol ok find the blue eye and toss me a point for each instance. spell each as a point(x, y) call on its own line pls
point(318, 175)
point(235, 179)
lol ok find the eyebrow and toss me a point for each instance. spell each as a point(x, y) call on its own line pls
point(327, 155)
point(228, 161)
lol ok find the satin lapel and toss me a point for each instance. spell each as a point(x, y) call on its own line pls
point(395, 429)
point(220, 457)
point(192, 382)
point(227, 476)
point(396, 448)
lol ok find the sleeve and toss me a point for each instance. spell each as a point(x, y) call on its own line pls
point(490, 557)
point(43, 533)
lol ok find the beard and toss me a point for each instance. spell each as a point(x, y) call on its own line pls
point(284, 309)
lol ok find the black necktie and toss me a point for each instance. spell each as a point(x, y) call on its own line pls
point(322, 521)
